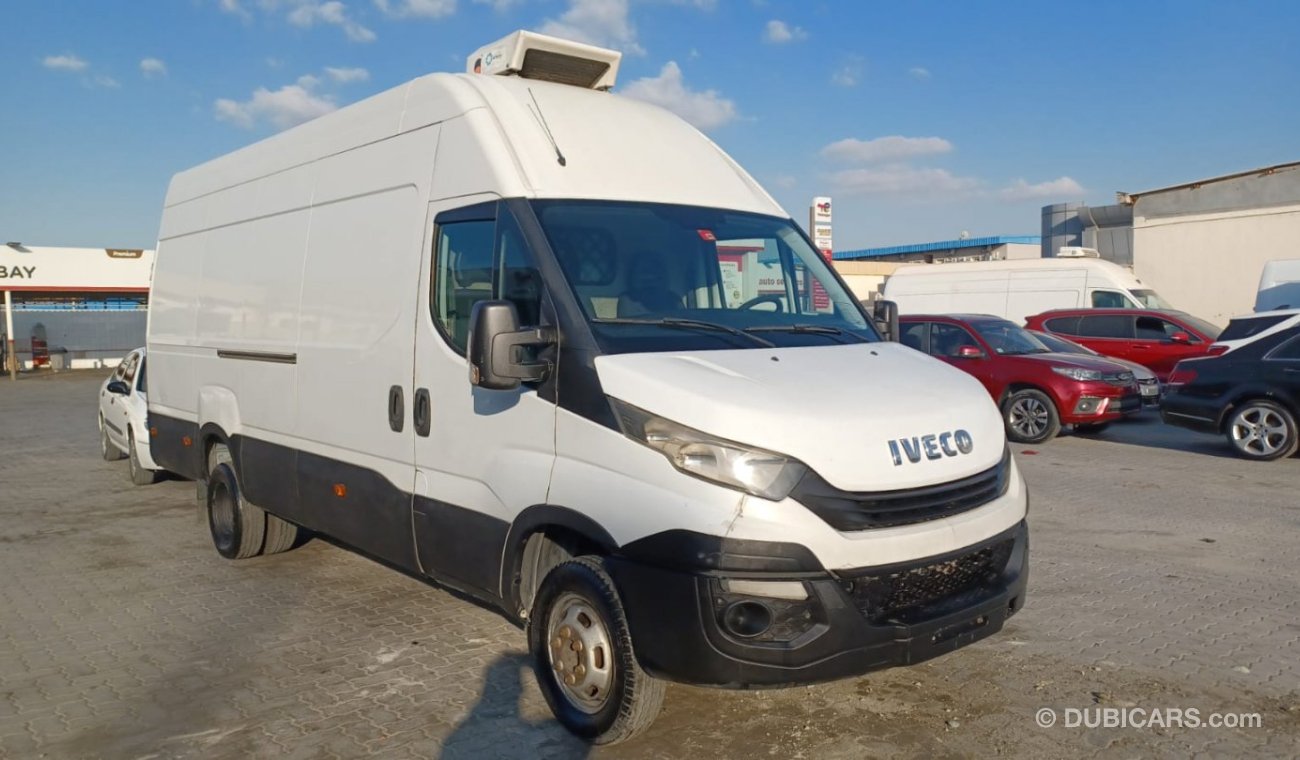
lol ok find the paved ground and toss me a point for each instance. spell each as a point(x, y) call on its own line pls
point(1163, 576)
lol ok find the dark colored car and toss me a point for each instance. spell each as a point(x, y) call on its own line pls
point(1154, 338)
point(1247, 389)
point(1037, 390)
point(1147, 381)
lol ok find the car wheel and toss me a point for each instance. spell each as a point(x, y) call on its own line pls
point(1091, 428)
point(237, 527)
point(107, 448)
point(1030, 416)
point(1262, 430)
point(140, 475)
point(582, 655)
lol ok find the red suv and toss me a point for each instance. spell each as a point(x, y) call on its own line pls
point(1155, 339)
point(1036, 389)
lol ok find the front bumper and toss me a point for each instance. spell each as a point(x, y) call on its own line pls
point(852, 622)
point(1120, 402)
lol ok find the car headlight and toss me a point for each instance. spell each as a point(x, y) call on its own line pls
point(1078, 373)
point(754, 471)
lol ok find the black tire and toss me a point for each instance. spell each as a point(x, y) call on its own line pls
point(632, 699)
point(281, 535)
point(107, 449)
point(1030, 416)
point(1262, 430)
point(139, 474)
point(238, 528)
point(1091, 428)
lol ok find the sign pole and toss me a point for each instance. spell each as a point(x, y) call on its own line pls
point(11, 356)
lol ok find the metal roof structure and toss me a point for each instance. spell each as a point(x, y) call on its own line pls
point(942, 245)
point(1131, 198)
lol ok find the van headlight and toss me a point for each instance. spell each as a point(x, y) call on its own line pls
point(754, 471)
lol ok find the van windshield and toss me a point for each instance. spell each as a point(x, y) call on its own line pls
point(1149, 299)
point(660, 277)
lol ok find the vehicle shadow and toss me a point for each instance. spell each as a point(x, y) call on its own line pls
point(1148, 430)
point(496, 727)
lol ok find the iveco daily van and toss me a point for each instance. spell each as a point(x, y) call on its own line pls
point(554, 349)
point(1018, 288)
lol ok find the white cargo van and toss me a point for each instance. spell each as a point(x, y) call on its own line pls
point(1279, 285)
point(553, 348)
point(1019, 288)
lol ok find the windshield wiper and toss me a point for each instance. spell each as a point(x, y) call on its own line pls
point(687, 324)
point(814, 329)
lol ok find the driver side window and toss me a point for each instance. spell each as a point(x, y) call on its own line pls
point(948, 340)
point(482, 260)
point(1109, 299)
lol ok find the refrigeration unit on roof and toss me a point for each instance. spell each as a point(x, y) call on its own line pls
point(549, 59)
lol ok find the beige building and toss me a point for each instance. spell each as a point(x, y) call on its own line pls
point(1202, 245)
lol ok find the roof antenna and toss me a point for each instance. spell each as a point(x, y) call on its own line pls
point(541, 119)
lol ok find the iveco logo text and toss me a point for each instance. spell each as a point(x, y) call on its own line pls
point(931, 446)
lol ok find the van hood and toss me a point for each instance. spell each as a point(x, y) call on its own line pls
point(835, 408)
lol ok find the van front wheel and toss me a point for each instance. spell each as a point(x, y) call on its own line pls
point(582, 655)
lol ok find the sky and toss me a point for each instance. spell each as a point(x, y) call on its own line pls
point(923, 120)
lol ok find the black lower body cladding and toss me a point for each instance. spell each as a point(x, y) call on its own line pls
point(683, 631)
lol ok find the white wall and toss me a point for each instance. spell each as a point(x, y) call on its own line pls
point(1209, 264)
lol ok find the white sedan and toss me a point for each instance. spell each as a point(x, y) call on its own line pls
point(123, 419)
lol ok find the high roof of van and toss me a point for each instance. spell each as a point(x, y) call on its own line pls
point(613, 147)
point(1055, 262)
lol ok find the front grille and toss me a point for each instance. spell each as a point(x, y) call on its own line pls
point(897, 596)
point(1130, 403)
point(847, 510)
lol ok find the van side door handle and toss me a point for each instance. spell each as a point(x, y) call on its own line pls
point(396, 408)
point(422, 413)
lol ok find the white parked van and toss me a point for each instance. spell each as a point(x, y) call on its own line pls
point(553, 348)
point(1019, 288)
point(1279, 285)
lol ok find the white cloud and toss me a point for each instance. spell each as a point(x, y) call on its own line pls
point(152, 67)
point(426, 8)
point(919, 73)
point(778, 33)
point(1061, 188)
point(891, 148)
point(849, 72)
point(500, 6)
point(904, 180)
point(234, 8)
point(347, 76)
point(596, 22)
point(307, 13)
point(65, 62)
point(290, 105)
point(104, 80)
point(705, 109)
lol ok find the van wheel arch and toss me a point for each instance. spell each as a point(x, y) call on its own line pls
point(211, 434)
point(542, 537)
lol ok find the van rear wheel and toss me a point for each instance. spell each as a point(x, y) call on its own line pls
point(583, 658)
point(238, 528)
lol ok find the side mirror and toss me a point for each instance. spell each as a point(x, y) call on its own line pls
point(885, 314)
point(970, 352)
point(119, 388)
point(496, 347)
point(1180, 337)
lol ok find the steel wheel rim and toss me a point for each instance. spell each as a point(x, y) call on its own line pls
point(1259, 430)
point(1029, 417)
point(222, 514)
point(580, 652)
